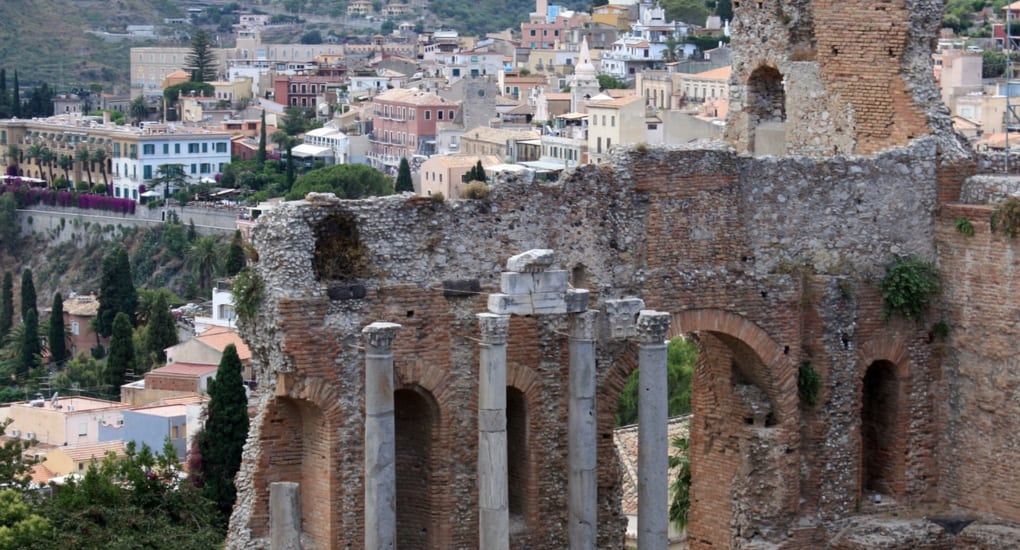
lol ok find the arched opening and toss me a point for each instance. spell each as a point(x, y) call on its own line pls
point(880, 438)
point(301, 453)
point(415, 418)
point(766, 109)
point(518, 463)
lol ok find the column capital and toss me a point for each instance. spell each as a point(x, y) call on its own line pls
point(379, 335)
point(652, 326)
point(494, 327)
point(582, 325)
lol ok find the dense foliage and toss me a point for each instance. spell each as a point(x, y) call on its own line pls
point(404, 182)
point(122, 353)
point(347, 181)
point(160, 331)
point(6, 306)
point(56, 333)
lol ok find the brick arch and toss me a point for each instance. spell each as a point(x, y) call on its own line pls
point(523, 455)
point(430, 387)
point(882, 406)
point(300, 443)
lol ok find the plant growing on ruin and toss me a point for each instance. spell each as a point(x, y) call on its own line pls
point(339, 253)
point(680, 487)
point(908, 287)
point(248, 290)
point(809, 384)
point(475, 190)
point(964, 226)
point(1006, 217)
point(940, 330)
point(437, 197)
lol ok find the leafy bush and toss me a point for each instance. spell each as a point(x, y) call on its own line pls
point(964, 226)
point(1006, 217)
point(809, 382)
point(475, 190)
point(248, 290)
point(908, 287)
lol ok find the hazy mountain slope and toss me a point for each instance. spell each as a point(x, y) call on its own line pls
point(46, 40)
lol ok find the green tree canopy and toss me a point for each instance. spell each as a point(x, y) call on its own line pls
point(122, 353)
point(226, 429)
point(235, 255)
point(9, 228)
point(201, 59)
point(347, 181)
point(6, 306)
point(161, 331)
point(608, 82)
point(681, 354)
point(203, 260)
point(116, 291)
point(28, 299)
point(57, 336)
point(404, 182)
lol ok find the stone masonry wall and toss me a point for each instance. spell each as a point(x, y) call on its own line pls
point(772, 261)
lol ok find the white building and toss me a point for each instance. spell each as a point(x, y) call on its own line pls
point(332, 139)
point(200, 153)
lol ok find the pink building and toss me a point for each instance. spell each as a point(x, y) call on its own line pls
point(301, 90)
point(404, 124)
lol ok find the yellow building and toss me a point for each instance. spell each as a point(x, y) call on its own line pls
point(76, 460)
point(444, 173)
point(63, 421)
point(612, 122)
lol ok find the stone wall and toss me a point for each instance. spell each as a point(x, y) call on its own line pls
point(772, 262)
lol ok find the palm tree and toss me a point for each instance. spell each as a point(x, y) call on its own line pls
point(66, 162)
point(680, 487)
point(49, 158)
point(139, 109)
point(204, 258)
point(84, 156)
point(100, 157)
point(35, 152)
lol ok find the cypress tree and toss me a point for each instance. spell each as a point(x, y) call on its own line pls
point(6, 306)
point(16, 97)
point(57, 340)
point(260, 156)
point(30, 348)
point(404, 182)
point(235, 255)
point(122, 352)
point(28, 300)
point(5, 112)
point(226, 428)
point(162, 330)
point(117, 292)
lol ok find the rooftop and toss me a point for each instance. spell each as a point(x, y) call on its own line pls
point(626, 441)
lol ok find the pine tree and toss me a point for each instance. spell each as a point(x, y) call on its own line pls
point(57, 339)
point(162, 329)
point(260, 156)
point(226, 429)
point(201, 60)
point(6, 306)
point(30, 351)
point(117, 292)
point(235, 255)
point(122, 352)
point(404, 182)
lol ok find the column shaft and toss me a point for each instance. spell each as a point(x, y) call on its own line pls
point(653, 441)
point(494, 510)
point(380, 439)
point(582, 492)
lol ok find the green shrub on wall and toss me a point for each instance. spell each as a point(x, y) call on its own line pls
point(1006, 217)
point(908, 287)
point(809, 383)
point(248, 290)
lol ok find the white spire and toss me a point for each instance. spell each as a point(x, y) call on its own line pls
point(584, 68)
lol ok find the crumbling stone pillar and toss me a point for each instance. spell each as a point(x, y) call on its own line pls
point(582, 434)
point(493, 508)
point(380, 438)
point(284, 516)
point(653, 443)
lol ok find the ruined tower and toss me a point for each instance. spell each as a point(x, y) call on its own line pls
point(822, 77)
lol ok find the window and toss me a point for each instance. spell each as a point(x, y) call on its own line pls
point(177, 148)
point(532, 33)
point(147, 172)
point(204, 168)
point(134, 151)
point(75, 328)
point(205, 147)
point(166, 148)
point(221, 147)
point(134, 194)
point(192, 148)
point(83, 428)
point(450, 115)
point(439, 114)
point(612, 121)
point(194, 168)
point(116, 192)
point(428, 115)
point(175, 432)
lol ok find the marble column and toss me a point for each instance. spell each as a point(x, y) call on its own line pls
point(380, 438)
point(493, 506)
point(284, 516)
point(653, 441)
point(582, 493)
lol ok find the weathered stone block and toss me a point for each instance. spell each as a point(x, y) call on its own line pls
point(622, 316)
point(533, 260)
